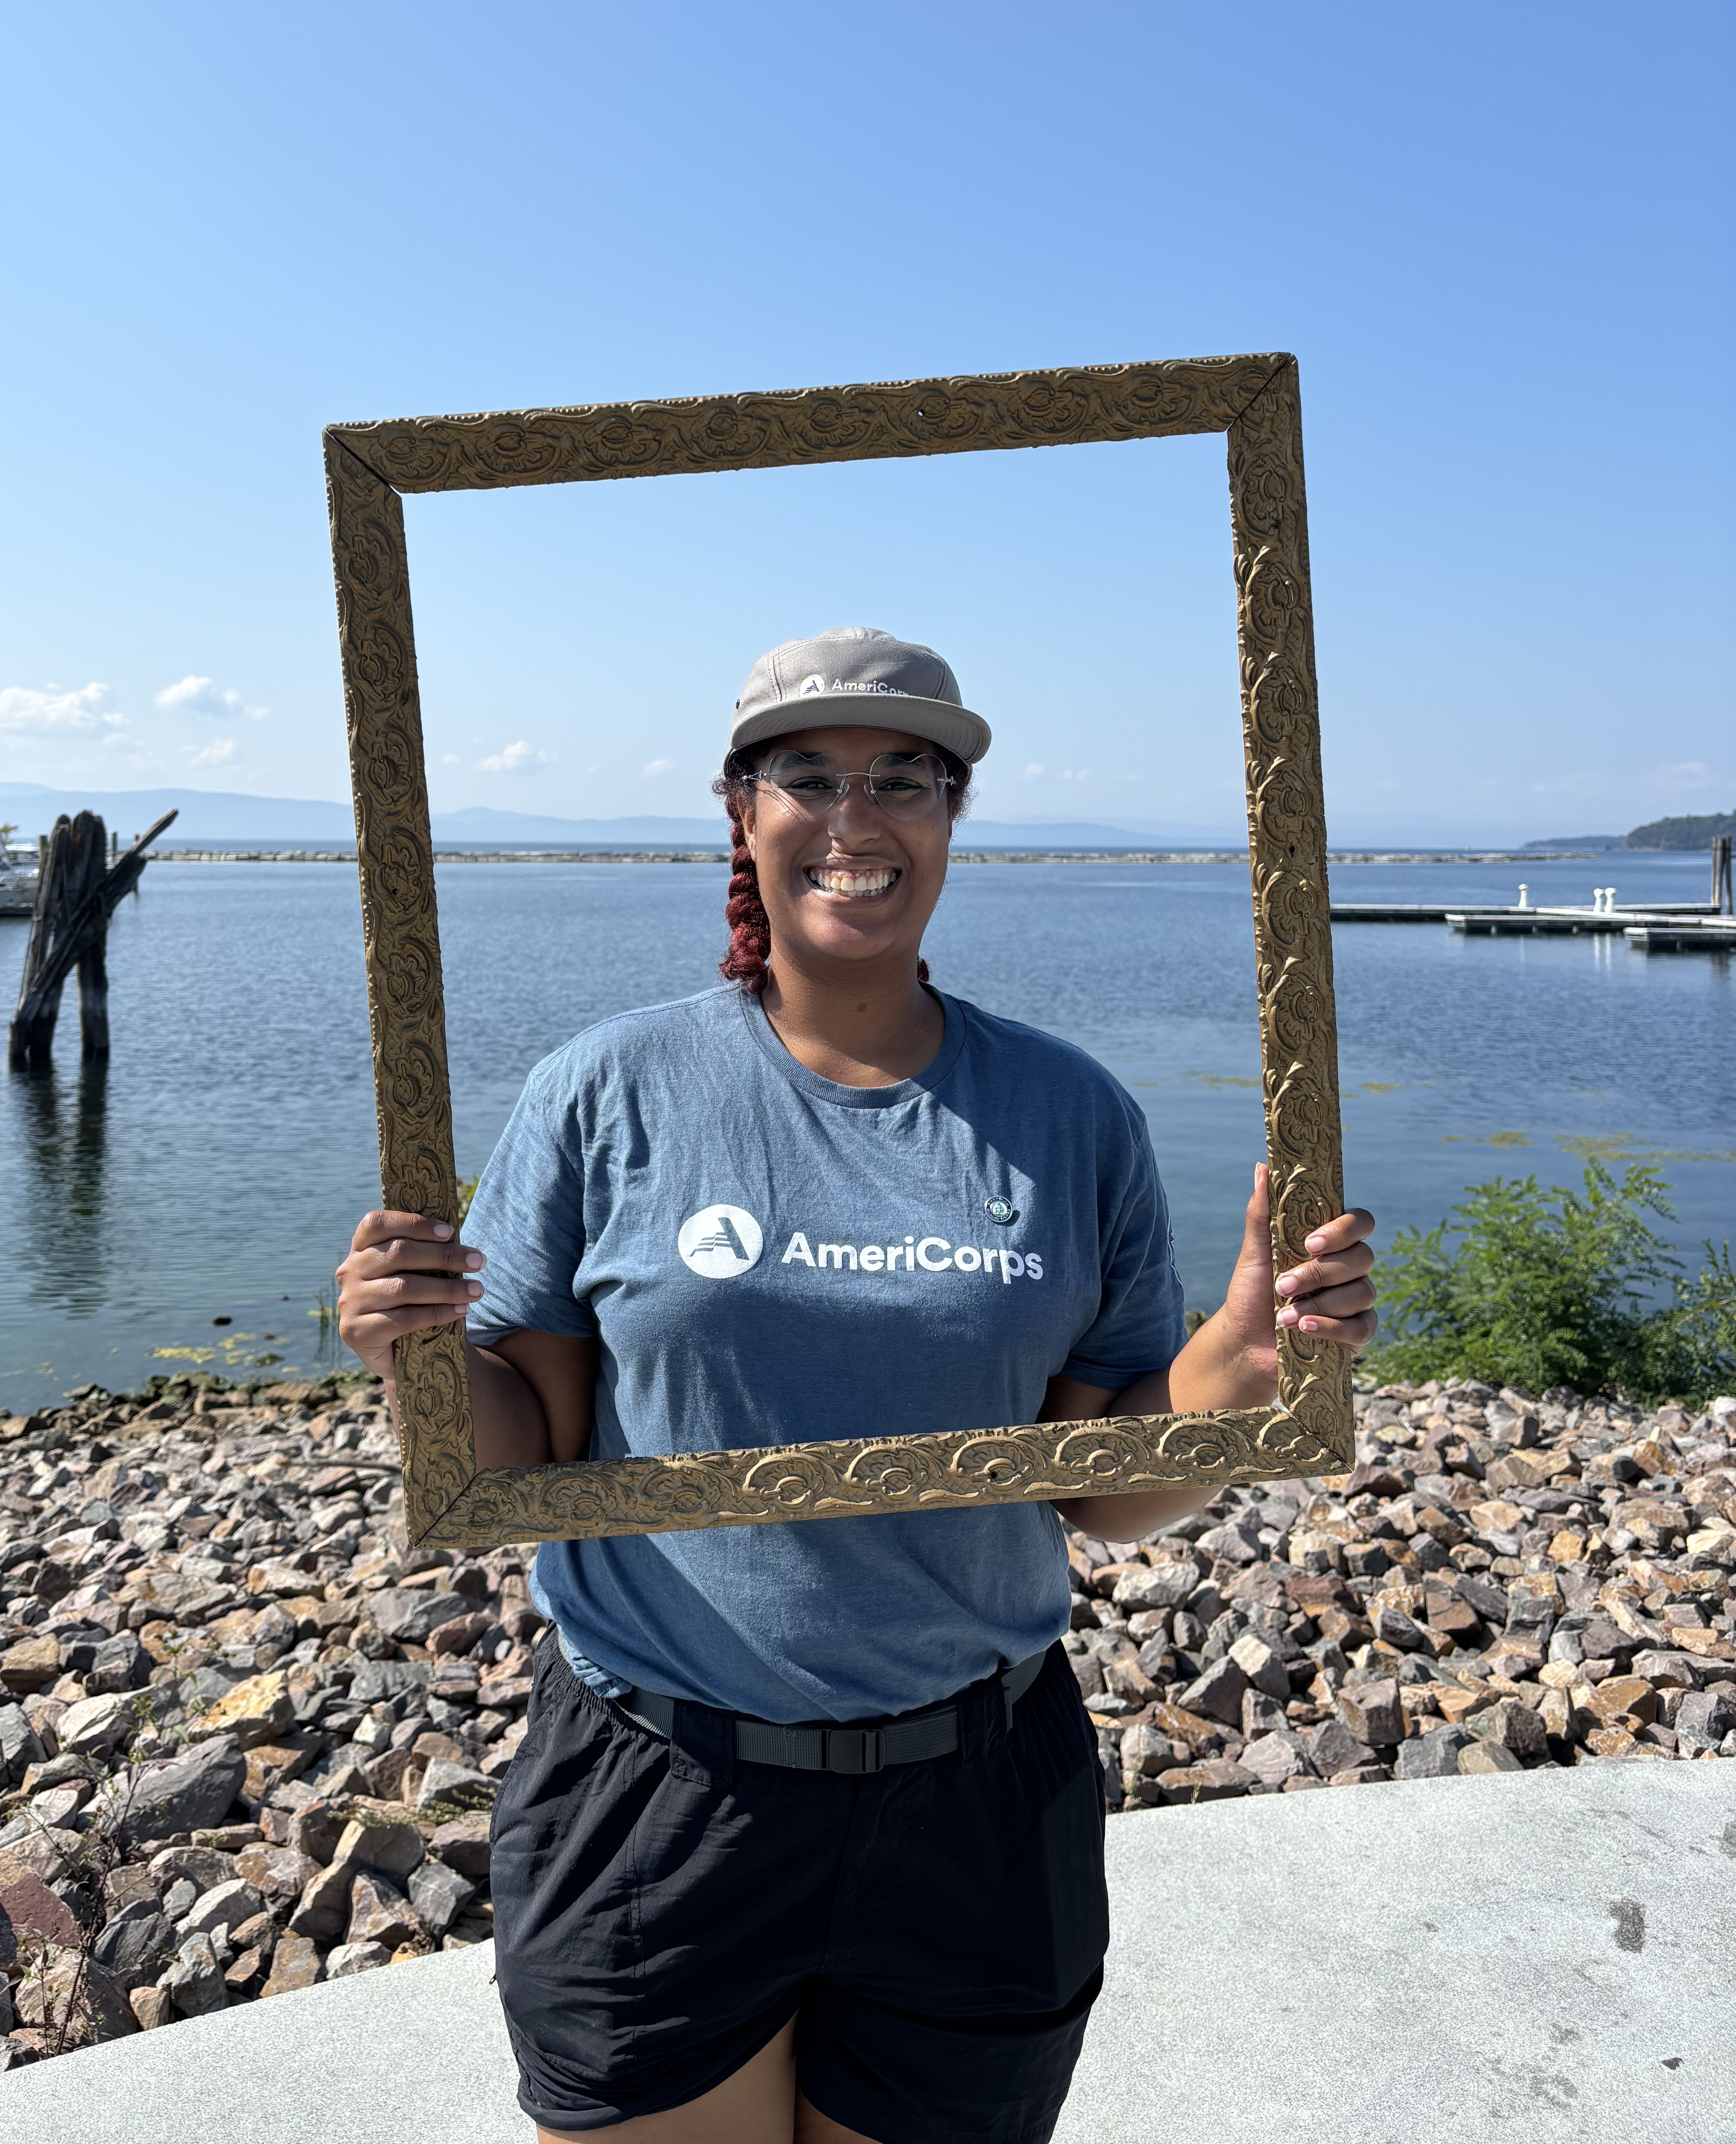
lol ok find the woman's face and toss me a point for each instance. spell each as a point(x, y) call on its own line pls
point(854, 883)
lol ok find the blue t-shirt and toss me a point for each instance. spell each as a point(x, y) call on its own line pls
point(767, 1258)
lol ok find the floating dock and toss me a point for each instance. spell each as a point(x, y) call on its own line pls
point(1715, 936)
point(1672, 927)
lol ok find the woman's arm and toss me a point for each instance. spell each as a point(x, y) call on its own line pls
point(531, 1393)
point(1231, 1360)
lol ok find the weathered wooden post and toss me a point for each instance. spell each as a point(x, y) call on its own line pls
point(76, 892)
point(1722, 901)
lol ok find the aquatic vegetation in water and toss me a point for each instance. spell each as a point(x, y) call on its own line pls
point(1215, 1079)
point(1623, 1146)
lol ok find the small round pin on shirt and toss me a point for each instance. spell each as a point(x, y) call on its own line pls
point(1000, 1211)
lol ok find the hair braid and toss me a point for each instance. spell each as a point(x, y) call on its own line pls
point(750, 929)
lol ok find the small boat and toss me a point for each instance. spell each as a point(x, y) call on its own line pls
point(18, 876)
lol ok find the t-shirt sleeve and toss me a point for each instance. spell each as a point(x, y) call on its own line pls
point(1138, 1327)
point(527, 1218)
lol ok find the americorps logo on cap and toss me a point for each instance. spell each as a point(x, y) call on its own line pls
point(815, 683)
point(719, 1242)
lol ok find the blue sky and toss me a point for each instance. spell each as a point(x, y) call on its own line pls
point(1496, 237)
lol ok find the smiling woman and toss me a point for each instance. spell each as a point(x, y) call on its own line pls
point(826, 1191)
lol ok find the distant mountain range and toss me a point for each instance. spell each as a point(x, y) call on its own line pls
point(215, 818)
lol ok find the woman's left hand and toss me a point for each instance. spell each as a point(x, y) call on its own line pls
point(1328, 1298)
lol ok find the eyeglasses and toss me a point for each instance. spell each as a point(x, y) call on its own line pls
point(906, 785)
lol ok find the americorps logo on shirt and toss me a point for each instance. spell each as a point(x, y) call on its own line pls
point(719, 1242)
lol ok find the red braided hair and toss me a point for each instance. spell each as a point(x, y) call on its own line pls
point(750, 927)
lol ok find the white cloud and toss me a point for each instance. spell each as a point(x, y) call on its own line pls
point(202, 696)
point(1075, 774)
point(1687, 776)
point(512, 757)
point(1583, 782)
point(658, 765)
point(449, 759)
point(52, 712)
point(217, 753)
point(1035, 768)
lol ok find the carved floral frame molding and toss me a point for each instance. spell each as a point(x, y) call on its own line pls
point(448, 1502)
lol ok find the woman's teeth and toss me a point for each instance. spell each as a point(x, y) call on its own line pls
point(855, 883)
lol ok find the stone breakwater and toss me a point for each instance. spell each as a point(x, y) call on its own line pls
point(1501, 1583)
point(249, 1739)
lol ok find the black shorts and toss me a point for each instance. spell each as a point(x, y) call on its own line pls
point(937, 1929)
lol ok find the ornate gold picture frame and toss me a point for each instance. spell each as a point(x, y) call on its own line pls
point(447, 1502)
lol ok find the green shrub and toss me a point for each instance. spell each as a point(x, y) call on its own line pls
point(1558, 1287)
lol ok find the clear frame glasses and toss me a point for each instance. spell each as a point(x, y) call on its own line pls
point(906, 785)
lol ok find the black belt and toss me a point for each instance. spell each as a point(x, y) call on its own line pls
point(855, 1749)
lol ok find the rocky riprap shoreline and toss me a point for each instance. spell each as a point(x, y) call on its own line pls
point(249, 1739)
point(1500, 1583)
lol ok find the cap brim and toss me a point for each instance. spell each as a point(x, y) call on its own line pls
point(960, 732)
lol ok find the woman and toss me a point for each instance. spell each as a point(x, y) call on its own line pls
point(804, 1839)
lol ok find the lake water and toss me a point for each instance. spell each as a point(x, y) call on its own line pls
point(216, 1168)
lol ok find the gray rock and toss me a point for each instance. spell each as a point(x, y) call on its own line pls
point(203, 1866)
point(1371, 1711)
point(1478, 1756)
point(122, 1663)
point(375, 1679)
point(136, 1944)
point(93, 1725)
point(1331, 1748)
point(439, 1894)
point(191, 1792)
point(1705, 1718)
point(1217, 1693)
point(1234, 1543)
point(1087, 1672)
point(194, 1983)
point(1511, 1725)
point(1262, 1664)
point(1667, 1670)
point(179, 1897)
point(411, 1615)
point(1164, 1586)
point(1274, 1758)
point(1432, 1756)
point(20, 1748)
point(351, 1957)
point(1396, 1628)
point(61, 1808)
point(225, 1906)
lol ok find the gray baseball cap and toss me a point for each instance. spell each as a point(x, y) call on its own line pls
point(856, 677)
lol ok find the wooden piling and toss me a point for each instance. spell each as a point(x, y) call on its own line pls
point(76, 893)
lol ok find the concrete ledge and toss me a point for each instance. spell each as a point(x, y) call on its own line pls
point(1546, 1956)
point(1446, 1959)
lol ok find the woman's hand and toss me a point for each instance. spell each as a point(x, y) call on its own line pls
point(1231, 1360)
point(405, 1273)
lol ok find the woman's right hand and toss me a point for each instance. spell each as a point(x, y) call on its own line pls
point(405, 1273)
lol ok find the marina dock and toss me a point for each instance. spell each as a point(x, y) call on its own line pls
point(1677, 928)
point(1670, 926)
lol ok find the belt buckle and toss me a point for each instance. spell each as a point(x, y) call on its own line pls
point(855, 1749)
